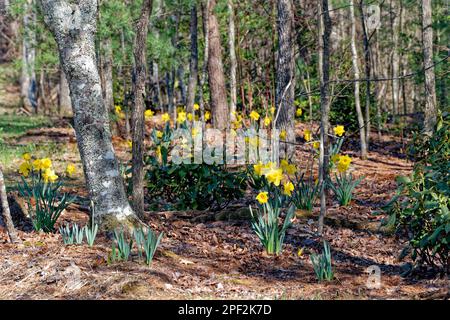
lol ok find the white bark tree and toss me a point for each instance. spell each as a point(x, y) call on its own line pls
point(73, 26)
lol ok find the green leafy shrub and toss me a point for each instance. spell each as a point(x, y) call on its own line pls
point(322, 264)
point(344, 186)
point(421, 205)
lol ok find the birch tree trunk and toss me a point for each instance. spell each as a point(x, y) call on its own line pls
point(137, 116)
point(28, 84)
point(5, 210)
point(430, 82)
point(73, 27)
point(216, 76)
point(193, 62)
point(324, 73)
point(362, 135)
point(233, 60)
point(285, 73)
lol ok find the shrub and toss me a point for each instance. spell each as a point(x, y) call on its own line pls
point(322, 264)
point(421, 205)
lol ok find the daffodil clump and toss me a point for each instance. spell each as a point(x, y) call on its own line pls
point(41, 188)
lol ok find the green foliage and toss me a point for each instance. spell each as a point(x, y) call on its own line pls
point(421, 205)
point(344, 186)
point(66, 234)
point(122, 253)
point(322, 264)
point(148, 242)
point(78, 233)
point(91, 233)
point(266, 225)
point(45, 201)
point(305, 193)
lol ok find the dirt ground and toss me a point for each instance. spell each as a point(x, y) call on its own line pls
point(222, 259)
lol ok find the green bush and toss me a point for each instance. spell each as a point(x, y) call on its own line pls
point(421, 205)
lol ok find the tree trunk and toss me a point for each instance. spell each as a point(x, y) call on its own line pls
point(395, 62)
point(6, 213)
point(108, 74)
point(193, 62)
point(430, 86)
point(74, 28)
point(285, 73)
point(215, 69)
point(368, 67)
point(362, 135)
point(324, 73)
point(233, 60)
point(204, 75)
point(137, 116)
point(64, 103)
point(28, 84)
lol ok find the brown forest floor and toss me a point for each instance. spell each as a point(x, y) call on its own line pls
point(220, 259)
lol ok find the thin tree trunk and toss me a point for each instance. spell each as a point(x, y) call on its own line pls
point(430, 86)
point(324, 72)
point(6, 213)
point(108, 74)
point(193, 62)
point(216, 76)
point(204, 75)
point(367, 64)
point(285, 73)
point(74, 28)
point(28, 82)
point(362, 136)
point(395, 62)
point(137, 116)
point(233, 60)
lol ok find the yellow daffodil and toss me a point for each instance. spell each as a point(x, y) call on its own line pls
point(307, 135)
point(289, 169)
point(283, 135)
point(37, 165)
point(25, 168)
point(46, 163)
point(190, 116)
point(70, 170)
point(262, 197)
point(254, 115)
point(316, 144)
point(49, 176)
point(165, 117)
point(344, 163)
point(130, 144)
point(335, 158)
point(148, 114)
point(195, 132)
point(288, 187)
point(233, 133)
point(339, 130)
point(258, 168)
point(118, 109)
point(196, 106)
point(181, 117)
point(274, 176)
point(159, 134)
point(299, 112)
point(272, 110)
point(26, 156)
point(267, 121)
point(207, 115)
point(158, 151)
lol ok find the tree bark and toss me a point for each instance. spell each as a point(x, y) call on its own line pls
point(6, 213)
point(362, 135)
point(285, 73)
point(193, 62)
point(64, 103)
point(28, 84)
point(430, 82)
point(233, 60)
point(368, 67)
point(137, 117)
point(108, 74)
point(324, 73)
point(216, 76)
point(73, 27)
point(395, 61)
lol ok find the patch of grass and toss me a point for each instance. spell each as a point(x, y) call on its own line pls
point(14, 125)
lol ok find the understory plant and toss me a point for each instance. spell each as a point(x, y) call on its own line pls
point(66, 234)
point(41, 188)
point(124, 246)
point(344, 186)
point(420, 208)
point(147, 243)
point(305, 193)
point(322, 264)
